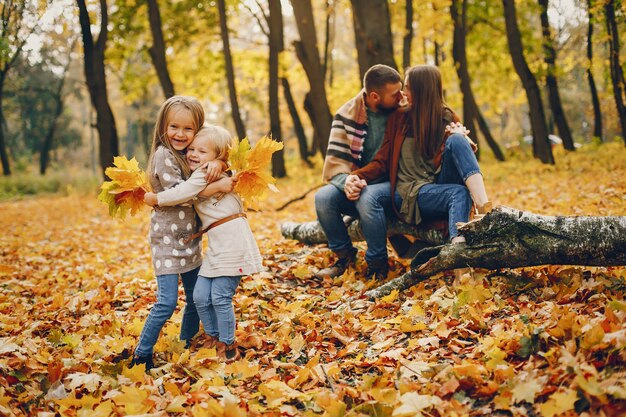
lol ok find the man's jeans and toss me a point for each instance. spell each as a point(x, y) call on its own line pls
point(214, 300)
point(372, 209)
point(162, 310)
point(449, 197)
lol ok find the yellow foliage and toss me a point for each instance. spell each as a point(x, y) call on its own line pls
point(126, 189)
point(250, 166)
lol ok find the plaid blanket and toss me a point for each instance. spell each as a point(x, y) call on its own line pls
point(345, 144)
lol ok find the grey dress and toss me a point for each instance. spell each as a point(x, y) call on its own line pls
point(170, 255)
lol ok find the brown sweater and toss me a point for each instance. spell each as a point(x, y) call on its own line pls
point(387, 159)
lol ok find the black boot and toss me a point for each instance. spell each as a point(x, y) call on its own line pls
point(377, 270)
point(138, 360)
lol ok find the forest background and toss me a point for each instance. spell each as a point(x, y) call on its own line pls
point(539, 84)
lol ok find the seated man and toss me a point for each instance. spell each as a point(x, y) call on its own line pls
point(356, 135)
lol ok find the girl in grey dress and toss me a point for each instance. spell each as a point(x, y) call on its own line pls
point(178, 120)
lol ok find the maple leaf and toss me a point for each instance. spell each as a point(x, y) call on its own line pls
point(412, 404)
point(250, 165)
point(558, 403)
point(124, 193)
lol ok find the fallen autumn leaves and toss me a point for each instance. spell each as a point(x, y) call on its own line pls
point(76, 286)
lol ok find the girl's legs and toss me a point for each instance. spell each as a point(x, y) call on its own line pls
point(206, 312)
point(459, 166)
point(451, 201)
point(191, 322)
point(222, 292)
point(161, 311)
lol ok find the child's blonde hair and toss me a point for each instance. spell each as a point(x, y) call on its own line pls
point(220, 138)
point(159, 137)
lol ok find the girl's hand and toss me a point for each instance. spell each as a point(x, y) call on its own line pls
point(214, 170)
point(457, 127)
point(150, 199)
point(226, 184)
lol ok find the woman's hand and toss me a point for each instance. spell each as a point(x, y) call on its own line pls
point(457, 127)
point(150, 199)
point(214, 170)
point(353, 187)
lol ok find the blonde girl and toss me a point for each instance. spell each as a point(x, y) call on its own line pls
point(179, 119)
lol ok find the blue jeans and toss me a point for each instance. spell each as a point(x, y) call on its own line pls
point(162, 310)
point(448, 197)
point(371, 208)
point(214, 300)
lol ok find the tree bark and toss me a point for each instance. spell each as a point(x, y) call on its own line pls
point(4, 155)
point(308, 54)
point(597, 113)
point(157, 50)
point(372, 33)
point(96, 83)
point(617, 75)
point(230, 72)
point(510, 238)
point(46, 146)
point(551, 81)
point(541, 144)
point(297, 123)
point(471, 111)
point(407, 40)
point(275, 47)
point(311, 233)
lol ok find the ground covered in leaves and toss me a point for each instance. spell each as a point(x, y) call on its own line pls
point(76, 287)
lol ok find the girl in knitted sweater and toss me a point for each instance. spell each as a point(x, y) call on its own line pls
point(232, 251)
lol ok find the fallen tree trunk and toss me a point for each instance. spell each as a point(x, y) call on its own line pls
point(311, 233)
point(510, 238)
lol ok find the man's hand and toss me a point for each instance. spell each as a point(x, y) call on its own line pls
point(457, 127)
point(353, 187)
point(214, 170)
point(150, 199)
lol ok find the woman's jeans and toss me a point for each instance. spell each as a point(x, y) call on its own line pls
point(214, 300)
point(448, 197)
point(162, 310)
point(372, 209)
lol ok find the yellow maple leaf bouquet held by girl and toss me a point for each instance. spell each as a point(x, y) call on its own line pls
point(125, 191)
point(249, 165)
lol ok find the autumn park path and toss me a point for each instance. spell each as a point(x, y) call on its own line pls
point(76, 286)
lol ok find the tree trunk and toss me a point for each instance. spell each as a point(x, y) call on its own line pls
point(372, 33)
point(297, 123)
point(617, 76)
point(510, 238)
point(471, 111)
point(96, 83)
point(230, 72)
point(157, 50)
point(553, 89)
point(276, 47)
point(4, 156)
point(407, 40)
point(46, 146)
point(541, 144)
point(308, 54)
point(597, 113)
point(311, 233)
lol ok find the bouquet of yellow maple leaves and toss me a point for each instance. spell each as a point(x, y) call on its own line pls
point(126, 189)
point(250, 167)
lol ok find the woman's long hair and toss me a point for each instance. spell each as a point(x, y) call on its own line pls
point(427, 108)
point(159, 137)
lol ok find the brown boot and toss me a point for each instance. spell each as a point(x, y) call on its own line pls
point(344, 259)
point(229, 353)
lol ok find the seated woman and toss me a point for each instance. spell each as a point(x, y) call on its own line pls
point(432, 168)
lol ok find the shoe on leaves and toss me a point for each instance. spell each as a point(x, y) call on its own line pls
point(139, 360)
point(339, 267)
point(377, 270)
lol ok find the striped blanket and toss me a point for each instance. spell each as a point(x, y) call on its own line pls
point(345, 144)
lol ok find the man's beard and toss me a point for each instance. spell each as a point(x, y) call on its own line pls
point(386, 110)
